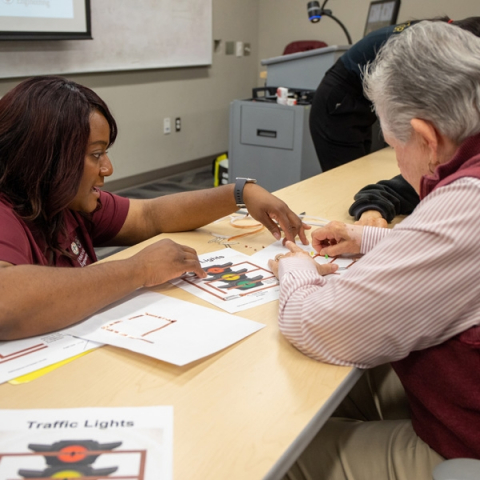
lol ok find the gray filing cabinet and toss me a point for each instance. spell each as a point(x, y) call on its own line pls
point(272, 142)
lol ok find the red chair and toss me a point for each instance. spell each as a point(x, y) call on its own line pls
point(303, 46)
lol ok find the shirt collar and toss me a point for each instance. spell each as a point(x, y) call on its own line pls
point(465, 163)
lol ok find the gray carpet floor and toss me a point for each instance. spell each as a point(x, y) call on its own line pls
point(196, 179)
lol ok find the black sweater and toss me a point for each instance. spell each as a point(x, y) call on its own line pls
point(389, 197)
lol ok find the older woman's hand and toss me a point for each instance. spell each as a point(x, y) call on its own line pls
point(337, 238)
point(372, 218)
point(296, 251)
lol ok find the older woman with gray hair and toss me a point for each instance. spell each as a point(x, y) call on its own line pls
point(413, 300)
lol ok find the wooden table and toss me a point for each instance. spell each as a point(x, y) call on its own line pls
point(247, 411)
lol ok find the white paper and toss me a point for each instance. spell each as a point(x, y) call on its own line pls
point(344, 262)
point(19, 357)
point(235, 281)
point(165, 328)
point(126, 440)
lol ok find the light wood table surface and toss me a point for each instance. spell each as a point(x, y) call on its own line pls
point(247, 411)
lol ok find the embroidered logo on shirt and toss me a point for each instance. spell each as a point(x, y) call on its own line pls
point(77, 249)
point(74, 248)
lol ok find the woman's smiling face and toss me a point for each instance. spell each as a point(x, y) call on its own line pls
point(97, 165)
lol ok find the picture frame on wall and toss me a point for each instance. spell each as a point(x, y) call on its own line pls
point(45, 20)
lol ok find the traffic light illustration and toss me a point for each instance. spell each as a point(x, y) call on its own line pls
point(68, 459)
point(234, 279)
point(229, 280)
point(241, 282)
point(215, 272)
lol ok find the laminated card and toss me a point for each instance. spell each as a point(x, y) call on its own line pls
point(114, 443)
point(234, 281)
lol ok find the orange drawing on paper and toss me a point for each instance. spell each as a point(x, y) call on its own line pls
point(145, 322)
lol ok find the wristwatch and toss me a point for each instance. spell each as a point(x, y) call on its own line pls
point(238, 191)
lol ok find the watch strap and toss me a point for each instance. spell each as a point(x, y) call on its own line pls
point(238, 190)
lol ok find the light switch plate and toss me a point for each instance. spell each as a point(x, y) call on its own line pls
point(239, 49)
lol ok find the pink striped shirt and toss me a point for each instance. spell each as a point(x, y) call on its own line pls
point(417, 285)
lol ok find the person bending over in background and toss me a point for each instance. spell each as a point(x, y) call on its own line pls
point(54, 136)
point(341, 122)
point(413, 299)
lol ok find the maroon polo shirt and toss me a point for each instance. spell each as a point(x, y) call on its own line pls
point(20, 245)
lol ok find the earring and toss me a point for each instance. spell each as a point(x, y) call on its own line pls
point(432, 166)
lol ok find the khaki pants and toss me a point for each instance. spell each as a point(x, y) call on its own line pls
point(369, 437)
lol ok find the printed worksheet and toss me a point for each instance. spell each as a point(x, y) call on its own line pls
point(165, 328)
point(344, 262)
point(234, 281)
point(131, 442)
point(19, 357)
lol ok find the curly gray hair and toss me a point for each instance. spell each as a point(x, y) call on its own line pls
point(430, 71)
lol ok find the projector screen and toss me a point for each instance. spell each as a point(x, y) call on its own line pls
point(126, 36)
point(45, 19)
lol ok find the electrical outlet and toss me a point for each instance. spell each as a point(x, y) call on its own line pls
point(247, 49)
point(178, 124)
point(239, 49)
point(166, 126)
point(229, 48)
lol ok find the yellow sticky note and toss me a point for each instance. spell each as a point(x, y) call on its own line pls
point(42, 371)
